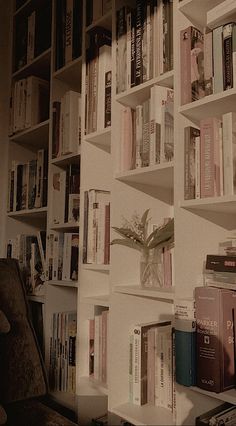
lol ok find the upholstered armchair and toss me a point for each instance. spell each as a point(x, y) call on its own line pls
point(23, 379)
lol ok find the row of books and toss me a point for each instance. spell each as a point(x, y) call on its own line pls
point(151, 373)
point(62, 368)
point(209, 158)
point(62, 257)
point(32, 34)
point(144, 42)
point(28, 183)
point(29, 103)
point(30, 251)
point(98, 332)
point(69, 24)
point(66, 195)
point(66, 136)
point(95, 9)
point(96, 237)
point(147, 133)
point(225, 414)
point(207, 61)
point(98, 81)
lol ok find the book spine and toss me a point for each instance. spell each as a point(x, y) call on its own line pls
point(139, 135)
point(133, 50)
point(218, 60)
point(128, 48)
point(185, 73)
point(138, 44)
point(185, 351)
point(108, 77)
point(228, 56)
point(207, 158)
point(190, 135)
point(229, 153)
point(69, 31)
point(208, 63)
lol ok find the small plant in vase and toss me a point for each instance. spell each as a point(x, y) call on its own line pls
point(135, 235)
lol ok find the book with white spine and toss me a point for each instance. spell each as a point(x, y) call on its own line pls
point(229, 153)
point(104, 66)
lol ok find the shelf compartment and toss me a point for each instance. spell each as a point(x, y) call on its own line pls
point(39, 66)
point(138, 94)
point(66, 399)
point(210, 106)
point(195, 12)
point(36, 136)
point(71, 73)
point(162, 293)
point(91, 387)
point(144, 415)
point(60, 283)
point(30, 213)
point(64, 160)
point(65, 227)
point(227, 396)
point(105, 21)
point(36, 298)
point(96, 267)
point(222, 14)
point(157, 180)
point(101, 138)
point(100, 300)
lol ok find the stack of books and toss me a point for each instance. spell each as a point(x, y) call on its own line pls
point(69, 24)
point(147, 132)
point(98, 332)
point(27, 183)
point(96, 238)
point(62, 367)
point(98, 81)
point(144, 42)
point(66, 136)
point(210, 158)
point(29, 103)
point(62, 256)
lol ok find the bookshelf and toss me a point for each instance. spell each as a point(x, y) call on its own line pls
point(199, 223)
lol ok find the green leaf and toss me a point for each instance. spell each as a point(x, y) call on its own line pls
point(127, 243)
point(160, 235)
point(144, 217)
point(128, 233)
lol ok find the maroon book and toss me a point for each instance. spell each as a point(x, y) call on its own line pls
point(215, 311)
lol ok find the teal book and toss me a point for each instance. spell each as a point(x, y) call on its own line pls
point(185, 352)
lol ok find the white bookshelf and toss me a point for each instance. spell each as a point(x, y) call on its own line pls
point(199, 224)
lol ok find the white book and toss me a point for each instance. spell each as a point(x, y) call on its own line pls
point(127, 140)
point(66, 257)
point(139, 135)
point(37, 95)
point(160, 20)
point(62, 127)
point(197, 168)
point(229, 153)
point(155, 53)
point(90, 247)
point(58, 197)
point(71, 122)
point(128, 49)
point(103, 200)
point(163, 369)
point(104, 66)
point(218, 60)
point(55, 256)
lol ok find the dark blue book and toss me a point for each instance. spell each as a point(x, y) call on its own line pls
point(185, 352)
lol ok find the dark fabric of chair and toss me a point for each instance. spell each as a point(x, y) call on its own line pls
point(22, 372)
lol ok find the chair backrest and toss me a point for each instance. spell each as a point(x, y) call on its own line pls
point(22, 371)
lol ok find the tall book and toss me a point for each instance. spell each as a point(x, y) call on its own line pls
point(229, 153)
point(215, 316)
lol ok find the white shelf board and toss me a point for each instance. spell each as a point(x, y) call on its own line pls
point(61, 283)
point(64, 160)
point(157, 175)
point(138, 94)
point(95, 267)
point(225, 204)
point(42, 212)
point(196, 10)
point(100, 300)
point(227, 396)
point(105, 21)
point(39, 66)
point(222, 14)
point(70, 73)
point(91, 387)
point(144, 415)
point(68, 400)
point(210, 106)
point(35, 298)
point(101, 138)
point(162, 293)
point(37, 136)
point(65, 227)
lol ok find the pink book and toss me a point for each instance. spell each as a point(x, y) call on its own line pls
point(104, 345)
point(210, 157)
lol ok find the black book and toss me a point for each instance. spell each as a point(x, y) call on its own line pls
point(45, 179)
point(221, 263)
point(19, 186)
point(133, 55)
point(60, 33)
point(107, 99)
point(43, 21)
point(77, 28)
